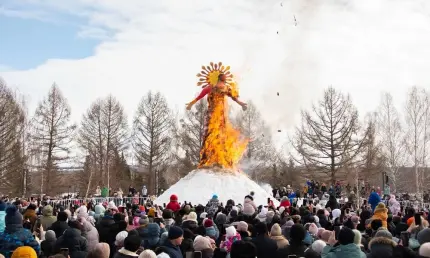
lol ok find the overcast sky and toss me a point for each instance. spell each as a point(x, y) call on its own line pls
point(91, 48)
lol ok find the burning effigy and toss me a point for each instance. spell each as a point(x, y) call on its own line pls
point(223, 145)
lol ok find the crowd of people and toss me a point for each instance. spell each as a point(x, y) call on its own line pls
point(236, 230)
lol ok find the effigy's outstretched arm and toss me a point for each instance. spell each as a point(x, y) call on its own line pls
point(243, 104)
point(202, 94)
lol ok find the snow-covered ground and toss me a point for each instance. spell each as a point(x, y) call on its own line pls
point(200, 185)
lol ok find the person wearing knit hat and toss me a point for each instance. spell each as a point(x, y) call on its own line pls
point(203, 244)
point(316, 249)
point(15, 235)
point(313, 229)
point(47, 246)
point(211, 230)
point(242, 226)
point(173, 205)
point(144, 220)
point(381, 213)
point(424, 236)
point(424, 250)
point(172, 245)
point(231, 236)
point(382, 232)
point(276, 235)
point(249, 207)
point(24, 252)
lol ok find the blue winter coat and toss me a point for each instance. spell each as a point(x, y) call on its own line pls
point(2, 222)
point(15, 236)
point(374, 200)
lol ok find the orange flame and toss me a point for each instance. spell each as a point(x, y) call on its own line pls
point(223, 145)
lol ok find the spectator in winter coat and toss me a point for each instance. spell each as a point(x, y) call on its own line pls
point(205, 245)
point(172, 246)
point(394, 205)
point(2, 216)
point(105, 226)
point(266, 247)
point(190, 222)
point(211, 230)
point(296, 246)
point(132, 243)
point(90, 233)
point(381, 213)
point(276, 234)
point(173, 205)
point(14, 234)
point(374, 199)
point(47, 218)
point(212, 206)
point(60, 225)
point(346, 247)
point(48, 245)
point(73, 240)
point(30, 215)
point(230, 237)
point(332, 203)
point(168, 218)
point(285, 202)
point(249, 207)
point(243, 249)
point(99, 212)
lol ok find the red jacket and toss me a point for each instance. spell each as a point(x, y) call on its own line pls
point(286, 203)
point(174, 206)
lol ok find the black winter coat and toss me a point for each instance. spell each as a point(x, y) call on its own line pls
point(266, 247)
point(58, 227)
point(72, 240)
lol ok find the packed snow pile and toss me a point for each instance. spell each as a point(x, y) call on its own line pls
point(200, 185)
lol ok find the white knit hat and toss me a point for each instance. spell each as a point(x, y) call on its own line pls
point(230, 231)
point(425, 250)
point(318, 246)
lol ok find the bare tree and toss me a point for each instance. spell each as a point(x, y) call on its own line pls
point(417, 119)
point(102, 135)
point(152, 136)
point(260, 153)
point(391, 138)
point(190, 135)
point(328, 138)
point(53, 133)
point(12, 159)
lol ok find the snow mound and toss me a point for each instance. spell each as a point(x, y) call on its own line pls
point(200, 185)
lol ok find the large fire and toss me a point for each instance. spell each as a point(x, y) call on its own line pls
point(223, 145)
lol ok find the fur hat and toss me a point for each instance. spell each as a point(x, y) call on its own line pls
point(242, 226)
point(230, 231)
point(276, 230)
point(425, 250)
point(318, 246)
point(192, 216)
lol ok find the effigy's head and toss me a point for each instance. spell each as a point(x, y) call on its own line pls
point(210, 75)
point(222, 77)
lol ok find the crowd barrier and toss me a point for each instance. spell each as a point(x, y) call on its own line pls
point(96, 200)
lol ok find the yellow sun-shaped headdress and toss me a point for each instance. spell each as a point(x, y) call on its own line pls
point(209, 74)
